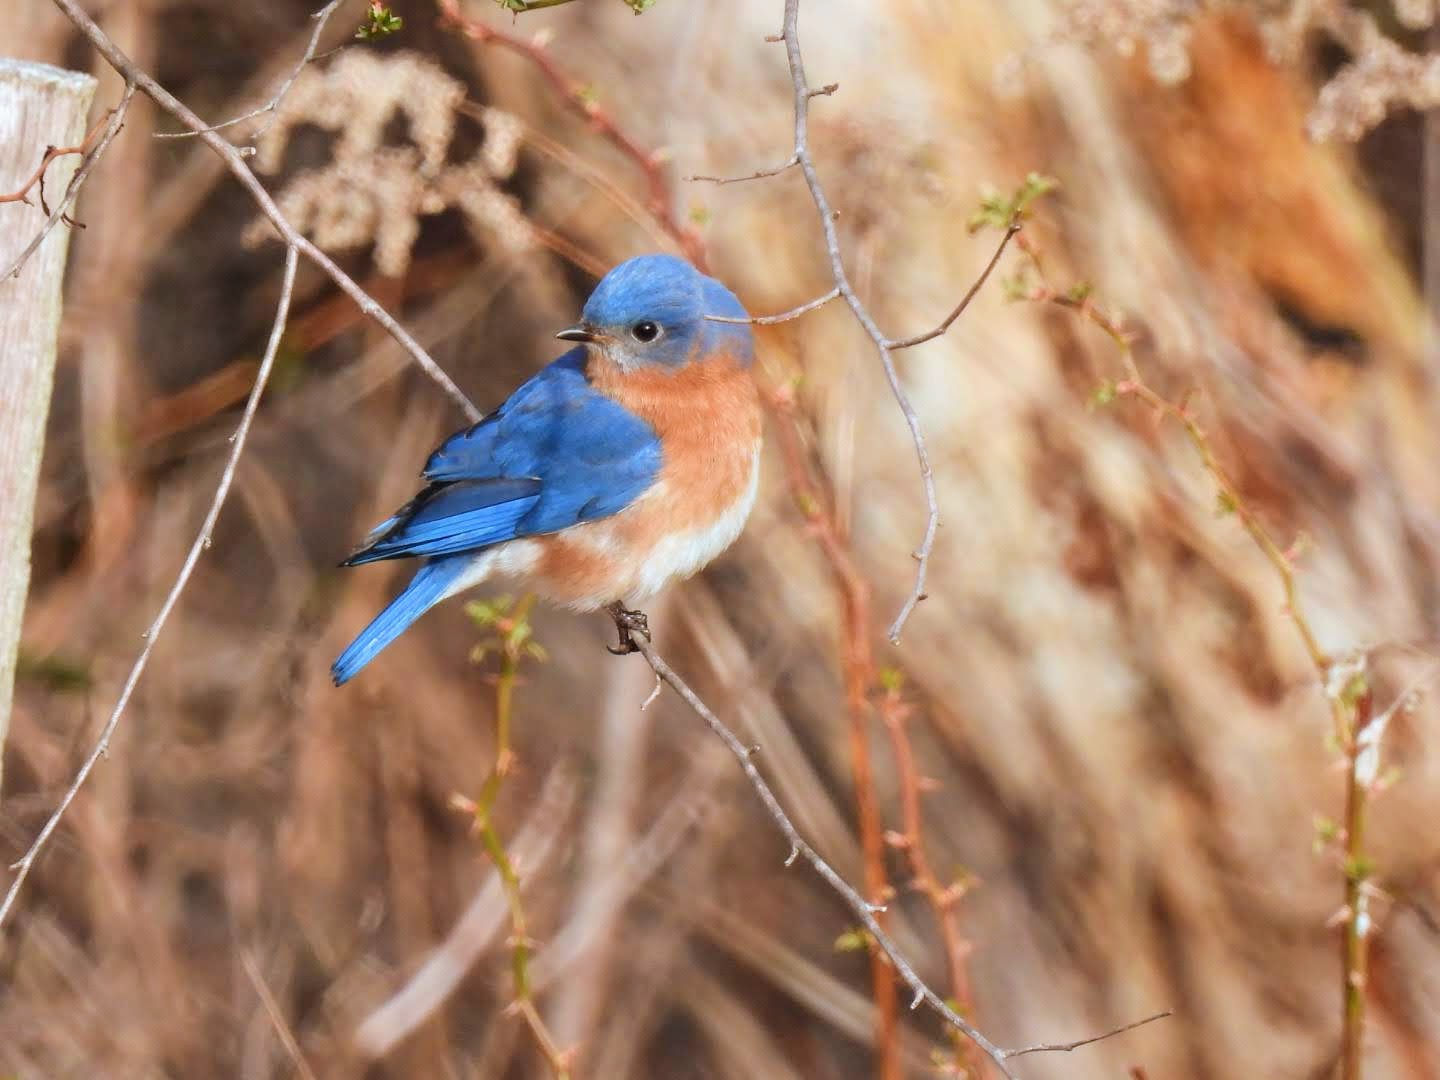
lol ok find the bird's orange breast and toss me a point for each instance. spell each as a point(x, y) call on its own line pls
point(707, 417)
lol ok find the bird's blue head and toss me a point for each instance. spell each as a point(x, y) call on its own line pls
point(651, 310)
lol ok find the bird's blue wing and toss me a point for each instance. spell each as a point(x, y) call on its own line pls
point(556, 454)
point(446, 518)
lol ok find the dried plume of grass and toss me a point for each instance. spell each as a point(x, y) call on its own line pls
point(370, 193)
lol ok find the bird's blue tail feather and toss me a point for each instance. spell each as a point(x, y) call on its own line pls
point(425, 589)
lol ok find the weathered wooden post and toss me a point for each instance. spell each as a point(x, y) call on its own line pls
point(40, 106)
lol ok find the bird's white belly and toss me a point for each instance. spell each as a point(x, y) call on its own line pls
point(679, 555)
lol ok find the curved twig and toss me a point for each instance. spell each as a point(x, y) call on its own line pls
point(803, 92)
point(272, 106)
point(959, 309)
point(201, 543)
point(784, 316)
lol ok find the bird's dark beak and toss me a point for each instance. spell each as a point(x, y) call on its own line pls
point(578, 332)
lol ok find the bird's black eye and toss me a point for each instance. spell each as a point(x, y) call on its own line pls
point(645, 331)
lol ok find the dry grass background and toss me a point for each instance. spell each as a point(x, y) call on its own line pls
point(1129, 745)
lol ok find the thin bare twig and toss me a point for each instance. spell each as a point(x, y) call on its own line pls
point(784, 316)
point(905, 343)
point(240, 169)
point(582, 102)
point(884, 346)
point(272, 106)
point(759, 174)
point(112, 128)
point(1065, 1048)
point(520, 6)
point(201, 543)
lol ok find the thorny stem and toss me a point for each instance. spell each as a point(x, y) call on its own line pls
point(863, 909)
point(858, 664)
point(944, 900)
point(862, 677)
point(1349, 713)
point(198, 546)
point(511, 644)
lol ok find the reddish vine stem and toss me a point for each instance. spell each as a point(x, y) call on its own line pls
point(115, 120)
point(864, 910)
point(944, 900)
point(22, 193)
point(574, 95)
point(858, 664)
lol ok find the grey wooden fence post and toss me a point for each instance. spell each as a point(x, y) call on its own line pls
point(40, 106)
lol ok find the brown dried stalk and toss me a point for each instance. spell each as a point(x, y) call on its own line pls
point(296, 245)
point(201, 544)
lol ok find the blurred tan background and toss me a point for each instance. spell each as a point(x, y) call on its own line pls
point(1127, 741)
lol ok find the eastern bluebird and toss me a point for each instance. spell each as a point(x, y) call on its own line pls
point(630, 461)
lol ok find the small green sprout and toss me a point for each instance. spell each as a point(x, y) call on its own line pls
point(379, 22)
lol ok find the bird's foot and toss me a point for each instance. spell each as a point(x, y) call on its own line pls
point(628, 623)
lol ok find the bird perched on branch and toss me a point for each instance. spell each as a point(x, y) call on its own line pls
point(630, 461)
